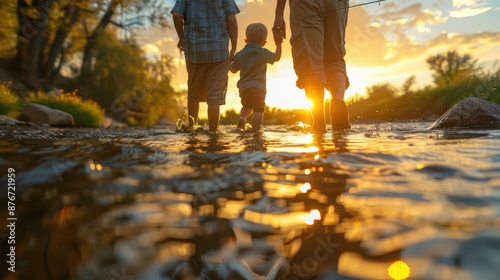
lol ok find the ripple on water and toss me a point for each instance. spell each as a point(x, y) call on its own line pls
point(372, 203)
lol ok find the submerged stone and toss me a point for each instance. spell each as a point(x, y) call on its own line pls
point(471, 112)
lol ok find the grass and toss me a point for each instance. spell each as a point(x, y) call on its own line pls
point(86, 113)
point(10, 104)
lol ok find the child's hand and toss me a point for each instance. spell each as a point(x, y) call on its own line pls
point(180, 45)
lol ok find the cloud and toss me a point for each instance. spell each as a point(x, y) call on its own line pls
point(468, 8)
point(151, 49)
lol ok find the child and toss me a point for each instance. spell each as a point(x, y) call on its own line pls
point(252, 62)
point(204, 36)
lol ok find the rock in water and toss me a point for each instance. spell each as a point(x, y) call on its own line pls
point(41, 114)
point(471, 112)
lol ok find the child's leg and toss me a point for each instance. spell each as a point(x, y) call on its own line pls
point(244, 114)
point(257, 120)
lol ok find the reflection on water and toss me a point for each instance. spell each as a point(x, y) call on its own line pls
point(388, 201)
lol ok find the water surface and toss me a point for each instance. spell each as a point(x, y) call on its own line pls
point(381, 201)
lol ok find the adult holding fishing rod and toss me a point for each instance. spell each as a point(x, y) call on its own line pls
point(318, 49)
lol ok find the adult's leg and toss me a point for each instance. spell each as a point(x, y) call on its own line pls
point(308, 55)
point(316, 94)
point(193, 109)
point(336, 76)
point(338, 109)
point(216, 91)
point(196, 90)
point(213, 116)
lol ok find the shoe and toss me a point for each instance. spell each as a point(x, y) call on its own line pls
point(340, 115)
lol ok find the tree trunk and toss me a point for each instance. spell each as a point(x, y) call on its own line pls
point(30, 41)
point(88, 53)
point(72, 13)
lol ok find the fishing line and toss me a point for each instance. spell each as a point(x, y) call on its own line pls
point(345, 8)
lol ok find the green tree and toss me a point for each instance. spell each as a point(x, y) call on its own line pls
point(137, 12)
point(451, 67)
point(407, 87)
point(131, 87)
point(381, 92)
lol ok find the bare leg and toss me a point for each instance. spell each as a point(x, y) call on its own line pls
point(193, 108)
point(338, 109)
point(257, 120)
point(244, 114)
point(316, 95)
point(213, 117)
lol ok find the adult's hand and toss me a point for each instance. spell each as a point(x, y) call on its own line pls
point(279, 29)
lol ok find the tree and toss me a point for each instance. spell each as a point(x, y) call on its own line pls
point(69, 14)
point(33, 17)
point(451, 67)
point(381, 92)
point(8, 28)
point(140, 11)
point(407, 86)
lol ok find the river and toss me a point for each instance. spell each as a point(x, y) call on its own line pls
point(381, 201)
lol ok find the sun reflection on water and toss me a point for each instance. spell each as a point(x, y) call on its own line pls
point(399, 270)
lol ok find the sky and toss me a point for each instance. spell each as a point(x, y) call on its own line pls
point(386, 43)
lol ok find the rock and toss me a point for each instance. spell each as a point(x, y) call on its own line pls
point(4, 120)
point(471, 112)
point(40, 114)
point(110, 123)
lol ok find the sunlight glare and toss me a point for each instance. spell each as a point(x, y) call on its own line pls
point(305, 187)
point(399, 270)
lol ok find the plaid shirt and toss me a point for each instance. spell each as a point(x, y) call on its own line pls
point(206, 37)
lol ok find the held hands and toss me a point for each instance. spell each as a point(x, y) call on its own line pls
point(231, 55)
point(279, 30)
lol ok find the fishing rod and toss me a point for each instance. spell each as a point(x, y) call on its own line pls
point(363, 4)
point(346, 8)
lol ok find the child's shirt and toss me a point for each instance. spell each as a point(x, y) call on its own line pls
point(252, 61)
point(206, 37)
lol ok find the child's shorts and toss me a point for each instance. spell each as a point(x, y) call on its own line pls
point(207, 82)
point(253, 98)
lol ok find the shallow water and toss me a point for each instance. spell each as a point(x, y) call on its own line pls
point(387, 201)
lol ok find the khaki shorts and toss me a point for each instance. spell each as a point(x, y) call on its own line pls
point(318, 45)
point(207, 82)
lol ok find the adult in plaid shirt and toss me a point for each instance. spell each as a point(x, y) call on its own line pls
point(204, 28)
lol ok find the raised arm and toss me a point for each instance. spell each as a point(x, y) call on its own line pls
point(232, 27)
point(278, 52)
point(179, 28)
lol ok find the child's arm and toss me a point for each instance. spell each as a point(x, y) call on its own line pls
point(278, 52)
point(179, 28)
point(232, 27)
